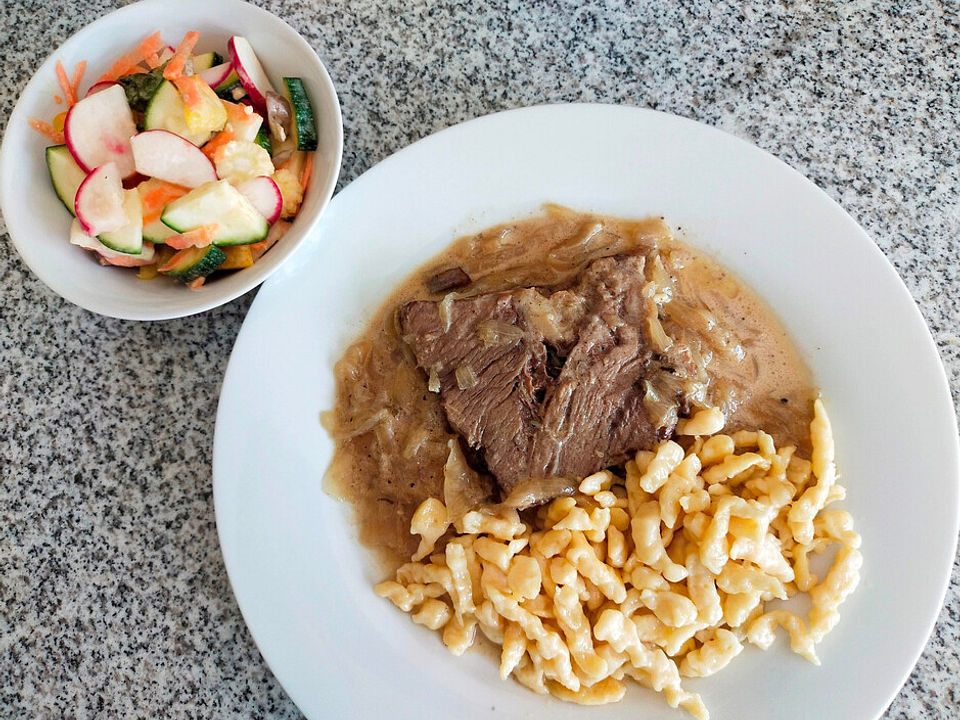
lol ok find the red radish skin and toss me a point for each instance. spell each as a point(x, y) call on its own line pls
point(167, 156)
point(99, 201)
point(251, 73)
point(264, 194)
point(97, 87)
point(97, 130)
point(217, 74)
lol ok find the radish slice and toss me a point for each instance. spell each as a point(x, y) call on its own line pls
point(167, 156)
point(98, 130)
point(216, 75)
point(129, 238)
point(79, 238)
point(99, 201)
point(251, 73)
point(97, 87)
point(264, 194)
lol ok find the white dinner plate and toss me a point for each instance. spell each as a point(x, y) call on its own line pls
point(305, 586)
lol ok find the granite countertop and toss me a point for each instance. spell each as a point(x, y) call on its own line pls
point(114, 601)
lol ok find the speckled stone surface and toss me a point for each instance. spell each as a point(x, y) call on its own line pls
point(114, 601)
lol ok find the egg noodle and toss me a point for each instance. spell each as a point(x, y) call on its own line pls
point(657, 576)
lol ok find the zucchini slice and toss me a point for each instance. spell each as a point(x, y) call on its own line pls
point(166, 111)
point(157, 233)
point(303, 126)
point(205, 61)
point(238, 221)
point(195, 262)
point(230, 83)
point(263, 139)
point(65, 175)
point(129, 238)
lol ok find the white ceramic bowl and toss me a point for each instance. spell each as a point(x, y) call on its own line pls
point(37, 220)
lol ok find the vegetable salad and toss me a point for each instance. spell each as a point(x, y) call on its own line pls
point(180, 164)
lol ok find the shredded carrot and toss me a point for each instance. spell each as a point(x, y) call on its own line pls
point(117, 70)
point(211, 148)
point(45, 128)
point(235, 111)
point(175, 67)
point(305, 173)
point(121, 67)
point(151, 47)
point(65, 85)
point(128, 63)
point(157, 197)
point(153, 61)
point(58, 100)
point(199, 237)
point(190, 90)
point(261, 246)
point(78, 72)
point(197, 283)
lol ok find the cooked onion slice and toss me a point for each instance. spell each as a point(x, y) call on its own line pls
point(463, 490)
point(466, 377)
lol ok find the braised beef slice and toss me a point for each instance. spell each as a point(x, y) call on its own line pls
point(562, 399)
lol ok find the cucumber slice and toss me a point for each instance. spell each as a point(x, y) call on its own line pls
point(129, 238)
point(80, 238)
point(65, 175)
point(303, 127)
point(192, 263)
point(226, 87)
point(238, 221)
point(166, 111)
point(205, 62)
point(154, 230)
point(263, 139)
point(157, 232)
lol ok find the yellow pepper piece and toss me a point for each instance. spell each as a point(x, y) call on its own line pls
point(238, 256)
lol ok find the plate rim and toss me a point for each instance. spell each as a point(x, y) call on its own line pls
point(863, 237)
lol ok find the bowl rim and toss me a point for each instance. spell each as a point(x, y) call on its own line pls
point(225, 289)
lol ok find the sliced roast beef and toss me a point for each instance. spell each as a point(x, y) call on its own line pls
point(544, 383)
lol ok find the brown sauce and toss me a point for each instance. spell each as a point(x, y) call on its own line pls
point(391, 432)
